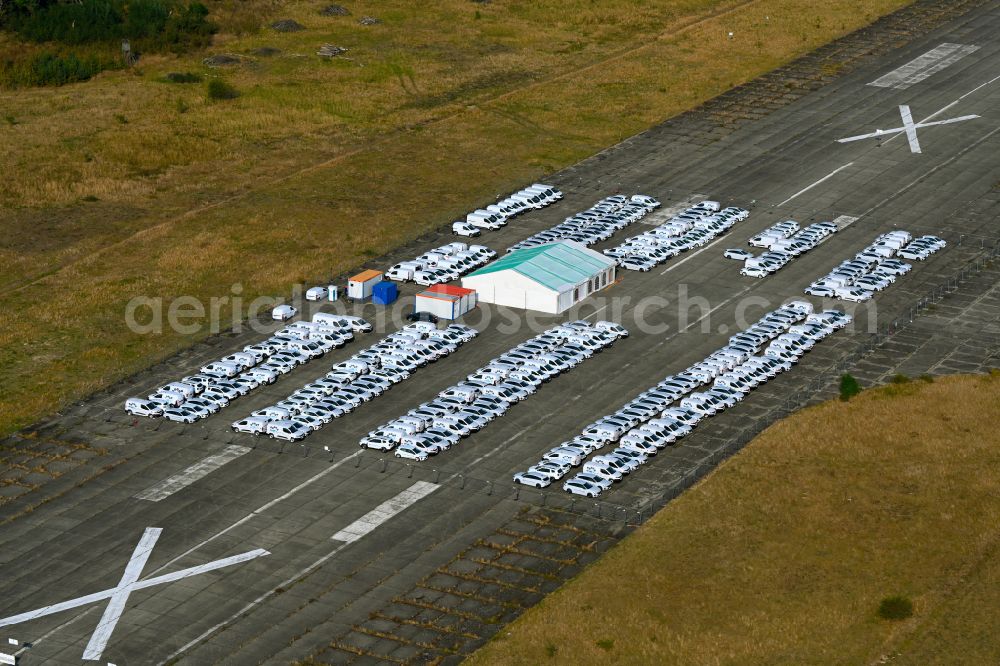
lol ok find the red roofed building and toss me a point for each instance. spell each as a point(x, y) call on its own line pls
point(446, 301)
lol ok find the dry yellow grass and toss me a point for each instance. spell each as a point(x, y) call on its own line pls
point(274, 187)
point(782, 555)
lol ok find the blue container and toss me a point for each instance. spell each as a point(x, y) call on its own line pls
point(384, 293)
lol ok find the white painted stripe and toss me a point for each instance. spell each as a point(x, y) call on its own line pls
point(843, 221)
point(665, 213)
point(141, 585)
point(818, 182)
point(113, 611)
point(347, 536)
point(694, 254)
point(924, 66)
point(384, 512)
point(911, 131)
point(199, 470)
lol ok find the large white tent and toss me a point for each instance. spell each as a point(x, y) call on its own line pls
point(548, 278)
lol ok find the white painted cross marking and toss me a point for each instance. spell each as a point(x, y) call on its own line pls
point(924, 66)
point(113, 612)
point(185, 478)
point(384, 512)
point(129, 583)
point(909, 127)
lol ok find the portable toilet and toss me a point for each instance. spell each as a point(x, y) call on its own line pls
point(384, 293)
point(360, 286)
point(445, 301)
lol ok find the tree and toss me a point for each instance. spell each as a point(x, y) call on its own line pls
point(849, 387)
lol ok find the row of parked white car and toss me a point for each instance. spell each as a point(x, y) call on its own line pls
point(694, 227)
point(783, 241)
point(875, 267)
point(597, 223)
point(670, 410)
point(355, 381)
point(220, 382)
point(442, 264)
point(486, 394)
point(495, 216)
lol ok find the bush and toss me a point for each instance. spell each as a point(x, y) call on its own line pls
point(605, 644)
point(219, 90)
point(53, 69)
point(900, 379)
point(152, 25)
point(895, 608)
point(182, 77)
point(849, 387)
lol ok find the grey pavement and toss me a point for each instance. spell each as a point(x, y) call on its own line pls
point(758, 148)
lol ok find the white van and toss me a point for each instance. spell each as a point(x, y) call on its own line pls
point(253, 425)
point(221, 369)
point(287, 430)
point(310, 349)
point(463, 228)
point(400, 273)
point(486, 218)
point(357, 366)
point(273, 413)
point(248, 360)
point(294, 332)
point(498, 392)
point(187, 390)
point(335, 320)
point(169, 398)
point(466, 394)
point(143, 407)
point(803, 307)
point(263, 375)
point(602, 470)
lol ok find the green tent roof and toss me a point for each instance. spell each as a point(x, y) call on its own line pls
point(553, 265)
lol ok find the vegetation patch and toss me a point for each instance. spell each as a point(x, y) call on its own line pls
point(895, 608)
point(88, 36)
point(182, 77)
point(220, 90)
point(785, 553)
point(152, 25)
point(50, 68)
point(849, 387)
point(535, 86)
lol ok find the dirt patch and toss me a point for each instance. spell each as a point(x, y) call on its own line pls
point(287, 25)
point(335, 10)
point(222, 60)
point(330, 51)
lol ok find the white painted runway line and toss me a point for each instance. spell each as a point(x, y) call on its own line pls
point(818, 182)
point(113, 611)
point(384, 512)
point(909, 128)
point(924, 66)
point(197, 471)
point(118, 596)
point(667, 212)
point(694, 254)
point(346, 536)
point(842, 222)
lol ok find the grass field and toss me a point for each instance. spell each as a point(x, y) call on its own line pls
point(127, 185)
point(784, 553)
